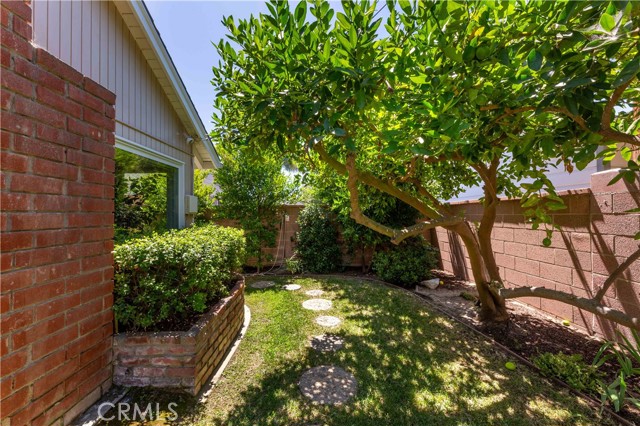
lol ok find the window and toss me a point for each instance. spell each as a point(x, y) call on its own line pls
point(147, 194)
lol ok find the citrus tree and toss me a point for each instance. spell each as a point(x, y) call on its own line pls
point(421, 104)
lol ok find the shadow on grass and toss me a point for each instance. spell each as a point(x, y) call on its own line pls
point(413, 368)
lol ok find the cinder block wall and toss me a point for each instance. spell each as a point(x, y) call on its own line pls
point(57, 232)
point(597, 236)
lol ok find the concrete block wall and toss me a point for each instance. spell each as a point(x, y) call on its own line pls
point(57, 150)
point(597, 235)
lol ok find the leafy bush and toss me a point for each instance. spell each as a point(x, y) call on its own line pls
point(205, 191)
point(572, 370)
point(140, 206)
point(407, 263)
point(317, 241)
point(627, 356)
point(293, 265)
point(252, 190)
point(163, 281)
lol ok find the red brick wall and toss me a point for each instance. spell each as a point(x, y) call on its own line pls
point(596, 237)
point(183, 359)
point(57, 229)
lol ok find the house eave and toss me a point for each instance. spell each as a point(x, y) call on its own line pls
point(139, 20)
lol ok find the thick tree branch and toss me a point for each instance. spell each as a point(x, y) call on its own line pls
point(379, 184)
point(589, 305)
point(396, 235)
point(605, 123)
point(616, 274)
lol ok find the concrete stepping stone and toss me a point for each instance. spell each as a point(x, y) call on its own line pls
point(262, 284)
point(317, 304)
point(291, 287)
point(328, 321)
point(314, 293)
point(328, 385)
point(327, 343)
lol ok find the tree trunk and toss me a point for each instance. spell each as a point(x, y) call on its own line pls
point(492, 304)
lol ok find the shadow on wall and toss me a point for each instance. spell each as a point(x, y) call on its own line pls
point(612, 233)
point(597, 235)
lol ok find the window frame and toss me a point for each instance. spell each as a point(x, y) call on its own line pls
point(151, 154)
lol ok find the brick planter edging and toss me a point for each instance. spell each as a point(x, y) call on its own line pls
point(180, 359)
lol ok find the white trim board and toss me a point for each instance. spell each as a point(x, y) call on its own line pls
point(157, 46)
point(143, 151)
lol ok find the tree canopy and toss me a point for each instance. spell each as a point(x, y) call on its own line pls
point(436, 97)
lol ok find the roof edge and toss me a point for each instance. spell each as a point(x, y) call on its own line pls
point(153, 35)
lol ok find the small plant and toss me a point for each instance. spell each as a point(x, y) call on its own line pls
point(317, 241)
point(571, 369)
point(627, 356)
point(293, 265)
point(163, 281)
point(407, 263)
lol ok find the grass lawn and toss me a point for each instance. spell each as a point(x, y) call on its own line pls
point(413, 366)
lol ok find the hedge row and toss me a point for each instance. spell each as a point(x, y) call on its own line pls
point(162, 282)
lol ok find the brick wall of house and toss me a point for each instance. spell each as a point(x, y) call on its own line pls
point(57, 232)
point(597, 235)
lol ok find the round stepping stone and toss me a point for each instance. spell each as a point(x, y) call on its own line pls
point(317, 304)
point(327, 343)
point(291, 287)
point(328, 385)
point(328, 321)
point(314, 293)
point(262, 284)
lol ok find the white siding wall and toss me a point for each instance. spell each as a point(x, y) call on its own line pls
point(92, 37)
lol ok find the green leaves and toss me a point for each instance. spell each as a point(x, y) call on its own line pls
point(607, 22)
point(301, 12)
point(628, 72)
point(162, 282)
point(534, 60)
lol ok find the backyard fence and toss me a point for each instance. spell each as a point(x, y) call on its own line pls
point(596, 237)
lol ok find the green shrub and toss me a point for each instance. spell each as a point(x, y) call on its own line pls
point(407, 263)
point(572, 370)
point(626, 355)
point(163, 281)
point(293, 265)
point(317, 241)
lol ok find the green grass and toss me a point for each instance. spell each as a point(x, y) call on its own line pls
point(413, 366)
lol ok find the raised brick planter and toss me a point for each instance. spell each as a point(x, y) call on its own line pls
point(180, 359)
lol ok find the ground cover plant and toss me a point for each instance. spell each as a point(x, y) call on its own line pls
point(436, 97)
point(413, 366)
point(163, 282)
point(571, 369)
